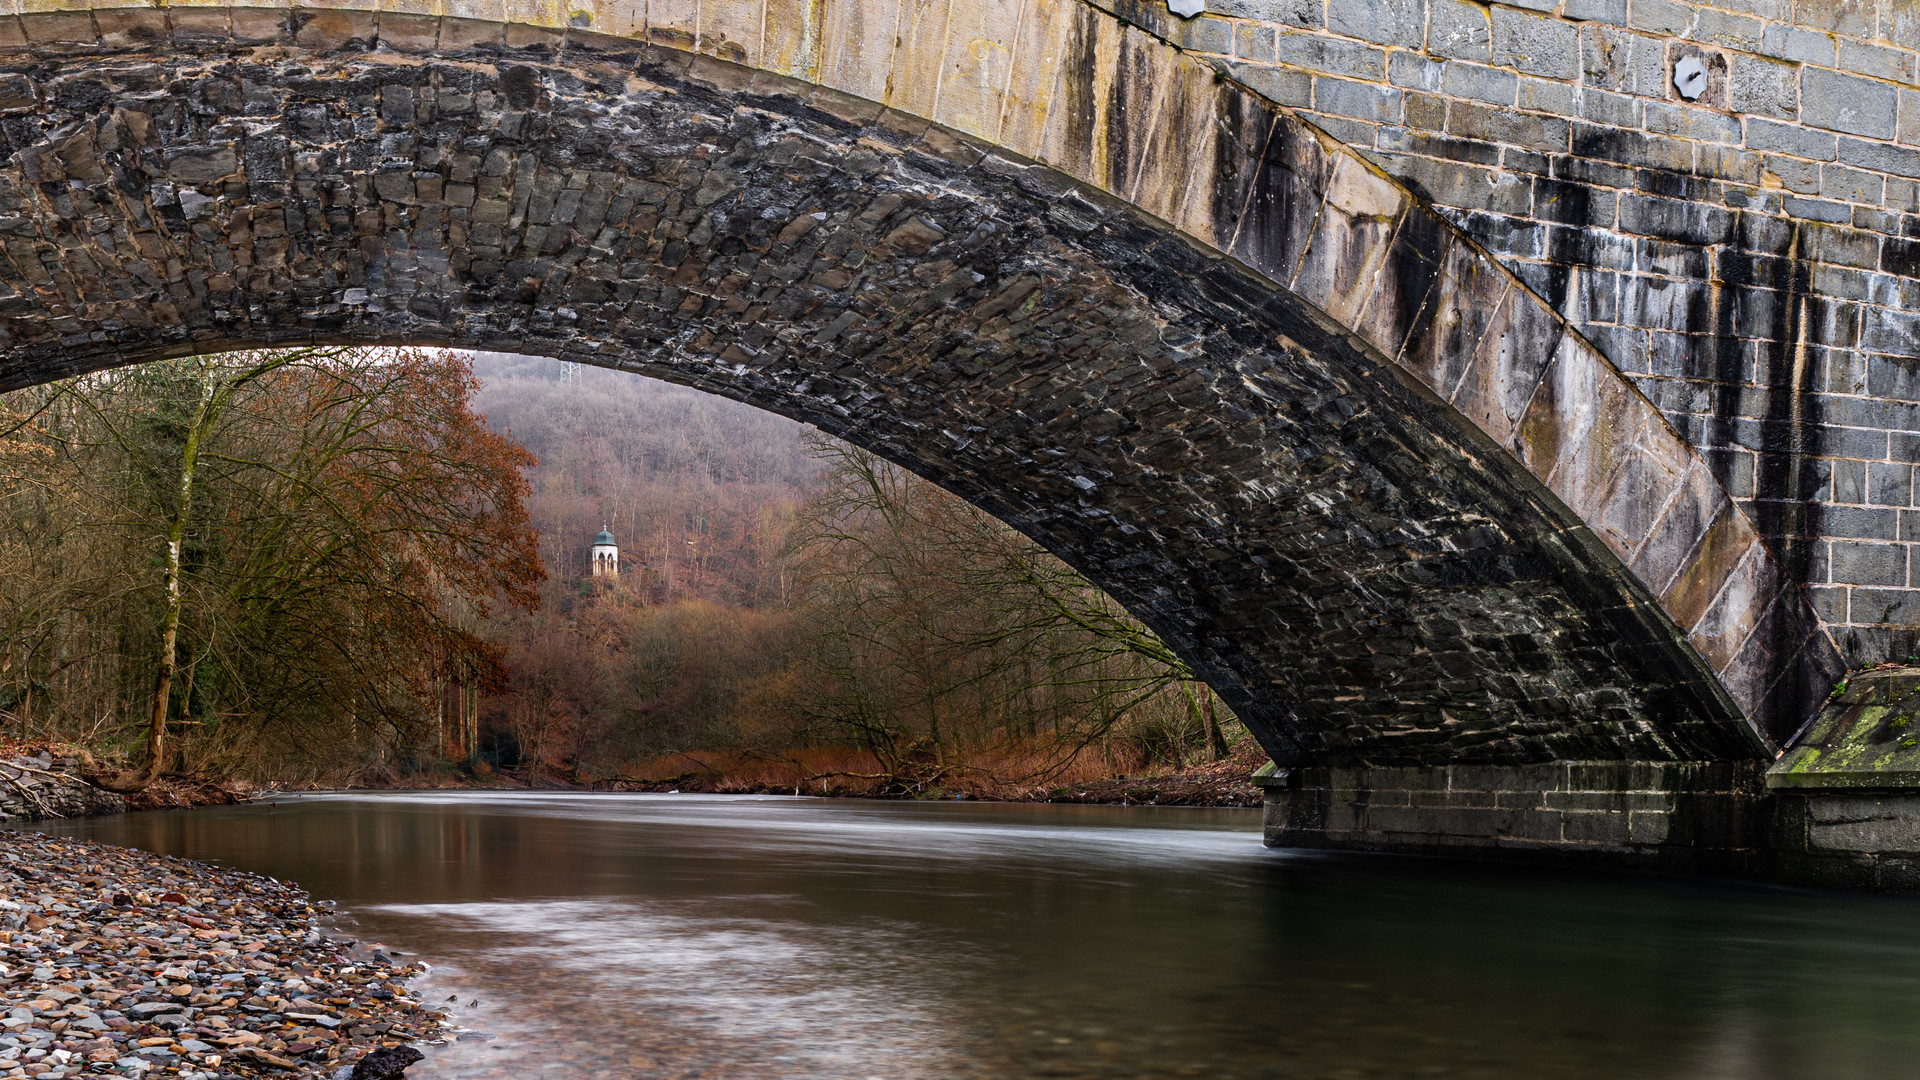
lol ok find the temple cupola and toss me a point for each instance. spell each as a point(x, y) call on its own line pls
point(606, 554)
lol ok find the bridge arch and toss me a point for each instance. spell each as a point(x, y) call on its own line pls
point(1380, 495)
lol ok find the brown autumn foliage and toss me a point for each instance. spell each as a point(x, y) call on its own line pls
point(789, 603)
point(263, 563)
point(327, 565)
point(693, 645)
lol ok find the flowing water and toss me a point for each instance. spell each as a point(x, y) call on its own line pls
point(676, 936)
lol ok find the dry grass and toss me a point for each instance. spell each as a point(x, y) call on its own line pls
point(1029, 774)
point(1008, 775)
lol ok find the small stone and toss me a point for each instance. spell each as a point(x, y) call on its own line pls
point(195, 205)
point(386, 1063)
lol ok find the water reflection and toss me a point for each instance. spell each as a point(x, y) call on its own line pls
point(682, 936)
point(684, 992)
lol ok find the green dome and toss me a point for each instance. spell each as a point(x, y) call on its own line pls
point(605, 539)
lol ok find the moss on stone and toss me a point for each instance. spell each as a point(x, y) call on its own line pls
point(1861, 740)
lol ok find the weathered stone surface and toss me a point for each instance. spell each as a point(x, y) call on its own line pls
point(1866, 738)
point(1747, 257)
point(1691, 817)
point(1857, 840)
point(35, 788)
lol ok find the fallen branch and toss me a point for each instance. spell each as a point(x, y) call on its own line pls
point(31, 797)
point(120, 782)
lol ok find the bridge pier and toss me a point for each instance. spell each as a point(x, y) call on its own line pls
point(1840, 810)
point(1686, 817)
point(1859, 841)
point(1846, 797)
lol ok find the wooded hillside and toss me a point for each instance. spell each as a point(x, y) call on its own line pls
point(263, 563)
point(794, 613)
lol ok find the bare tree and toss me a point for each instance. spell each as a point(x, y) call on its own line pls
point(938, 630)
point(304, 541)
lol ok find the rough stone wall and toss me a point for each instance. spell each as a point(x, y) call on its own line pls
point(1712, 817)
point(1749, 257)
point(35, 788)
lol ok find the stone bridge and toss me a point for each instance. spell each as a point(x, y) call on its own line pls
point(1450, 390)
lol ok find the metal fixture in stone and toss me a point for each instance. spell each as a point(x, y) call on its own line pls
point(1690, 77)
point(1186, 9)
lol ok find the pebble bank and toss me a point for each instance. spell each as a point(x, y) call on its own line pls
point(120, 962)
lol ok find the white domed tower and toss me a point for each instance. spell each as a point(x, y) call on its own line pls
point(606, 554)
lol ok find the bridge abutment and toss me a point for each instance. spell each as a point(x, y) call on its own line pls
point(1839, 811)
point(1860, 841)
point(1687, 817)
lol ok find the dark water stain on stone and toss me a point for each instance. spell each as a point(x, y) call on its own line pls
point(1078, 66)
point(1245, 123)
point(1567, 248)
point(521, 85)
point(1786, 437)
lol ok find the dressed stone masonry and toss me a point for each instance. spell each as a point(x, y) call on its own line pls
point(1365, 477)
point(1748, 257)
point(1841, 810)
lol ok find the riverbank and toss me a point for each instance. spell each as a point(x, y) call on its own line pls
point(1227, 782)
point(126, 963)
point(37, 784)
point(41, 780)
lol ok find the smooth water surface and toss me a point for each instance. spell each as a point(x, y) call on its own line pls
point(708, 936)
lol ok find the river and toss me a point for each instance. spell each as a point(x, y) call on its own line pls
point(681, 936)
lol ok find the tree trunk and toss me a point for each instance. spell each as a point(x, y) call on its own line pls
point(168, 660)
point(1215, 737)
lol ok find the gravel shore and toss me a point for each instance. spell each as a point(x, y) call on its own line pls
point(119, 962)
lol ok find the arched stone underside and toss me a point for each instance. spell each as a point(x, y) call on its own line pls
point(1375, 491)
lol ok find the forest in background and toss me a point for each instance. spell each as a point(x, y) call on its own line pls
point(793, 614)
point(265, 564)
point(353, 566)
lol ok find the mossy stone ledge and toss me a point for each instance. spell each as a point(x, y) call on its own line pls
point(1866, 739)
